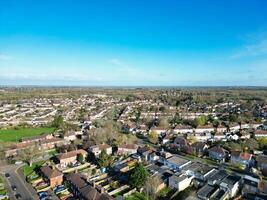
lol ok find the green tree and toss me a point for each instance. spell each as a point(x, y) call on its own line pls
point(262, 143)
point(233, 118)
point(138, 176)
point(58, 121)
point(201, 121)
point(104, 160)
point(234, 146)
point(251, 144)
point(153, 137)
point(80, 158)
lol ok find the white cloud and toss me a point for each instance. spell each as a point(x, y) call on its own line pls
point(49, 77)
point(255, 45)
point(5, 57)
point(122, 66)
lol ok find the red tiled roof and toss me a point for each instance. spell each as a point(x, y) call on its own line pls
point(71, 154)
point(77, 180)
point(245, 156)
point(49, 172)
point(129, 146)
point(261, 132)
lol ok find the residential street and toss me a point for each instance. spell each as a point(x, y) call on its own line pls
point(16, 178)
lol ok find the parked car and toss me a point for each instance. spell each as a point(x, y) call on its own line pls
point(59, 188)
point(42, 194)
point(14, 187)
point(18, 196)
point(7, 175)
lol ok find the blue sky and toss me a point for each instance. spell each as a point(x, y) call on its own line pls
point(133, 43)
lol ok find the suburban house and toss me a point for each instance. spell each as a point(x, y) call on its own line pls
point(144, 152)
point(52, 176)
point(96, 149)
point(142, 129)
point(199, 148)
point(183, 129)
point(219, 136)
point(70, 136)
point(166, 138)
point(217, 177)
point(261, 133)
point(217, 153)
point(176, 163)
point(180, 182)
point(241, 158)
point(127, 149)
point(250, 184)
point(153, 157)
point(234, 127)
point(69, 158)
point(158, 130)
point(204, 129)
point(221, 128)
point(232, 184)
point(83, 190)
point(200, 171)
point(44, 144)
point(262, 163)
point(37, 138)
point(207, 191)
point(180, 142)
point(51, 143)
point(76, 182)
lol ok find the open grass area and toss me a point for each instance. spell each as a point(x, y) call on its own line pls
point(27, 170)
point(14, 135)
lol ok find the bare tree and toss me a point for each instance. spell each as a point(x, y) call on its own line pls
point(29, 154)
point(151, 187)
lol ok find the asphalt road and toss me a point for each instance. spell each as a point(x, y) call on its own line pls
point(23, 188)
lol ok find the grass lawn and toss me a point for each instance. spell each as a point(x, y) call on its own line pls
point(27, 170)
point(136, 196)
point(13, 135)
point(3, 192)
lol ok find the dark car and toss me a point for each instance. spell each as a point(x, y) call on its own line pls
point(7, 175)
point(18, 196)
point(14, 187)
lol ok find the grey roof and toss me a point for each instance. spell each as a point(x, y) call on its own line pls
point(231, 180)
point(218, 176)
point(207, 190)
point(178, 160)
point(198, 168)
point(178, 178)
point(220, 194)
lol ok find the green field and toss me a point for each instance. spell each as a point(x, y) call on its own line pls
point(14, 135)
point(27, 170)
